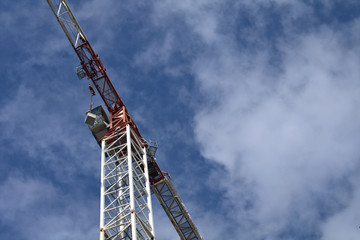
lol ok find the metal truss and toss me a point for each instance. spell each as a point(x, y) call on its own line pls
point(67, 22)
point(170, 200)
point(125, 205)
point(91, 64)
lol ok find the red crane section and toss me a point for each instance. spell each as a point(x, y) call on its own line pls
point(95, 70)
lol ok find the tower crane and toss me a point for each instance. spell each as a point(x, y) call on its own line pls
point(129, 171)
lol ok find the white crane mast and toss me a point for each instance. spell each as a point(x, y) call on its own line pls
point(125, 203)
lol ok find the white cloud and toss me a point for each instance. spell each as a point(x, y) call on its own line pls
point(18, 195)
point(285, 131)
point(286, 136)
point(30, 126)
point(346, 221)
point(158, 52)
point(198, 15)
point(36, 209)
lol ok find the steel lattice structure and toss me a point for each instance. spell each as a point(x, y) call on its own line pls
point(170, 200)
point(128, 167)
point(125, 208)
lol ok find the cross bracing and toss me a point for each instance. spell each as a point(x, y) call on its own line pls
point(126, 210)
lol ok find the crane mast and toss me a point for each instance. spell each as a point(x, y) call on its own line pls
point(129, 170)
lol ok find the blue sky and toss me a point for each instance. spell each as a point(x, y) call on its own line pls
point(255, 106)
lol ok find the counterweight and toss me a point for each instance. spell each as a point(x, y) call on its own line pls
point(128, 165)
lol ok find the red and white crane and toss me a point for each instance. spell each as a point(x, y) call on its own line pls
point(129, 171)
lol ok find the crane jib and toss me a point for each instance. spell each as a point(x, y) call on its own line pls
point(90, 61)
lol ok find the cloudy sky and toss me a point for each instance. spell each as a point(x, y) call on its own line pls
point(255, 105)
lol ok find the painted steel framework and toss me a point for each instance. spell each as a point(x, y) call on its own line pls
point(125, 205)
point(170, 200)
point(128, 169)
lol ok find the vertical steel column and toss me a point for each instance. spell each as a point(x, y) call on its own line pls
point(120, 197)
point(131, 183)
point(102, 187)
point(148, 192)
